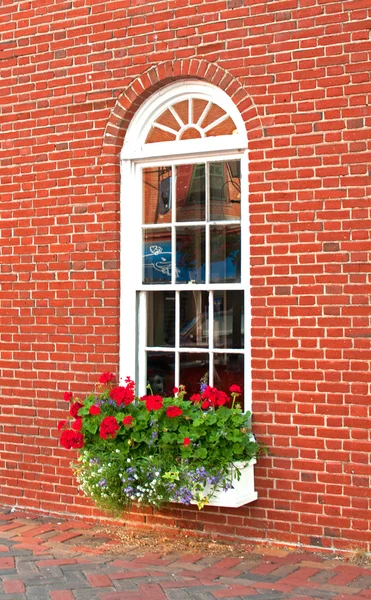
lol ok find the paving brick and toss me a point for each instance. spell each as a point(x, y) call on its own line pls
point(13, 586)
point(152, 590)
point(99, 580)
point(128, 575)
point(7, 562)
point(62, 595)
point(235, 590)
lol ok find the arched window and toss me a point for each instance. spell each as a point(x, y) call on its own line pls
point(184, 243)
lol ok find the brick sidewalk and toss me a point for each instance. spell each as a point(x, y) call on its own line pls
point(46, 558)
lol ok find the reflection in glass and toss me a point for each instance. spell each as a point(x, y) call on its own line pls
point(160, 372)
point(229, 370)
point(225, 190)
point(190, 254)
point(161, 318)
point(157, 195)
point(190, 193)
point(157, 256)
point(194, 368)
point(225, 253)
point(194, 319)
point(229, 319)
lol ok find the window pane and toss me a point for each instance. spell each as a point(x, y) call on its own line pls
point(157, 256)
point(225, 254)
point(160, 372)
point(194, 368)
point(161, 319)
point(229, 370)
point(225, 190)
point(228, 319)
point(190, 193)
point(194, 319)
point(190, 254)
point(157, 194)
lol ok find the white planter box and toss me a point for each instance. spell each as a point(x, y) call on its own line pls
point(242, 493)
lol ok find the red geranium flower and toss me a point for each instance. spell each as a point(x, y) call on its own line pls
point(175, 390)
point(106, 377)
point(235, 389)
point(77, 424)
point(206, 404)
point(74, 409)
point(195, 398)
point(122, 394)
point(61, 424)
point(153, 402)
point(72, 439)
point(67, 396)
point(173, 411)
point(221, 398)
point(186, 442)
point(108, 428)
point(128, 420)
point(94, 409)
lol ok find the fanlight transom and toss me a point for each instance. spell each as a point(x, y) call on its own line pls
point(191, 118)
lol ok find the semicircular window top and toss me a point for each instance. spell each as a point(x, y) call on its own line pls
point(191, 119)
point(185, 117)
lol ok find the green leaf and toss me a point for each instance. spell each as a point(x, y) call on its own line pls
point(83, 411)
point(91, 425)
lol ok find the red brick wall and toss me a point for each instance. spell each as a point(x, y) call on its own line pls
point(72, 75)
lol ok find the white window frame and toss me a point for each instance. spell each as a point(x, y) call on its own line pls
point(137, 155)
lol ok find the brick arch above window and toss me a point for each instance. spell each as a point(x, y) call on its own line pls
point(130, 100)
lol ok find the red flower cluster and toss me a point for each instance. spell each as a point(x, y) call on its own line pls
point(213, 397)
point(108, 428)
point(173, 411)
point(195, 398)
point(235, 389)
point(67, 396)
point(152, 402)
point(94, 410)
point(72, 439)
point(106, 378)
point(128, 420)
point(77, 424)
point(124, 394)
point(74, 409)
point(186, 442)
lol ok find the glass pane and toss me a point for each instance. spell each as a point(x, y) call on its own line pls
point(182, 110)
point(228, 319)
point(157, 192)
point(199, 107)
point(160, 372)
point(213, 114)
point(225, 190)
point(159, 135)
point(229, 370)
point(190, 254)
point(157, 256)
point(161, 319)
point(194, 319)
point(226, 127)
point(190, 134)
point(194, 369)
point(225, 253)
point(190, 193)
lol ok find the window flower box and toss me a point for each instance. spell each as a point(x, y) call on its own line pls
point(242, 491)
point(153, 450)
